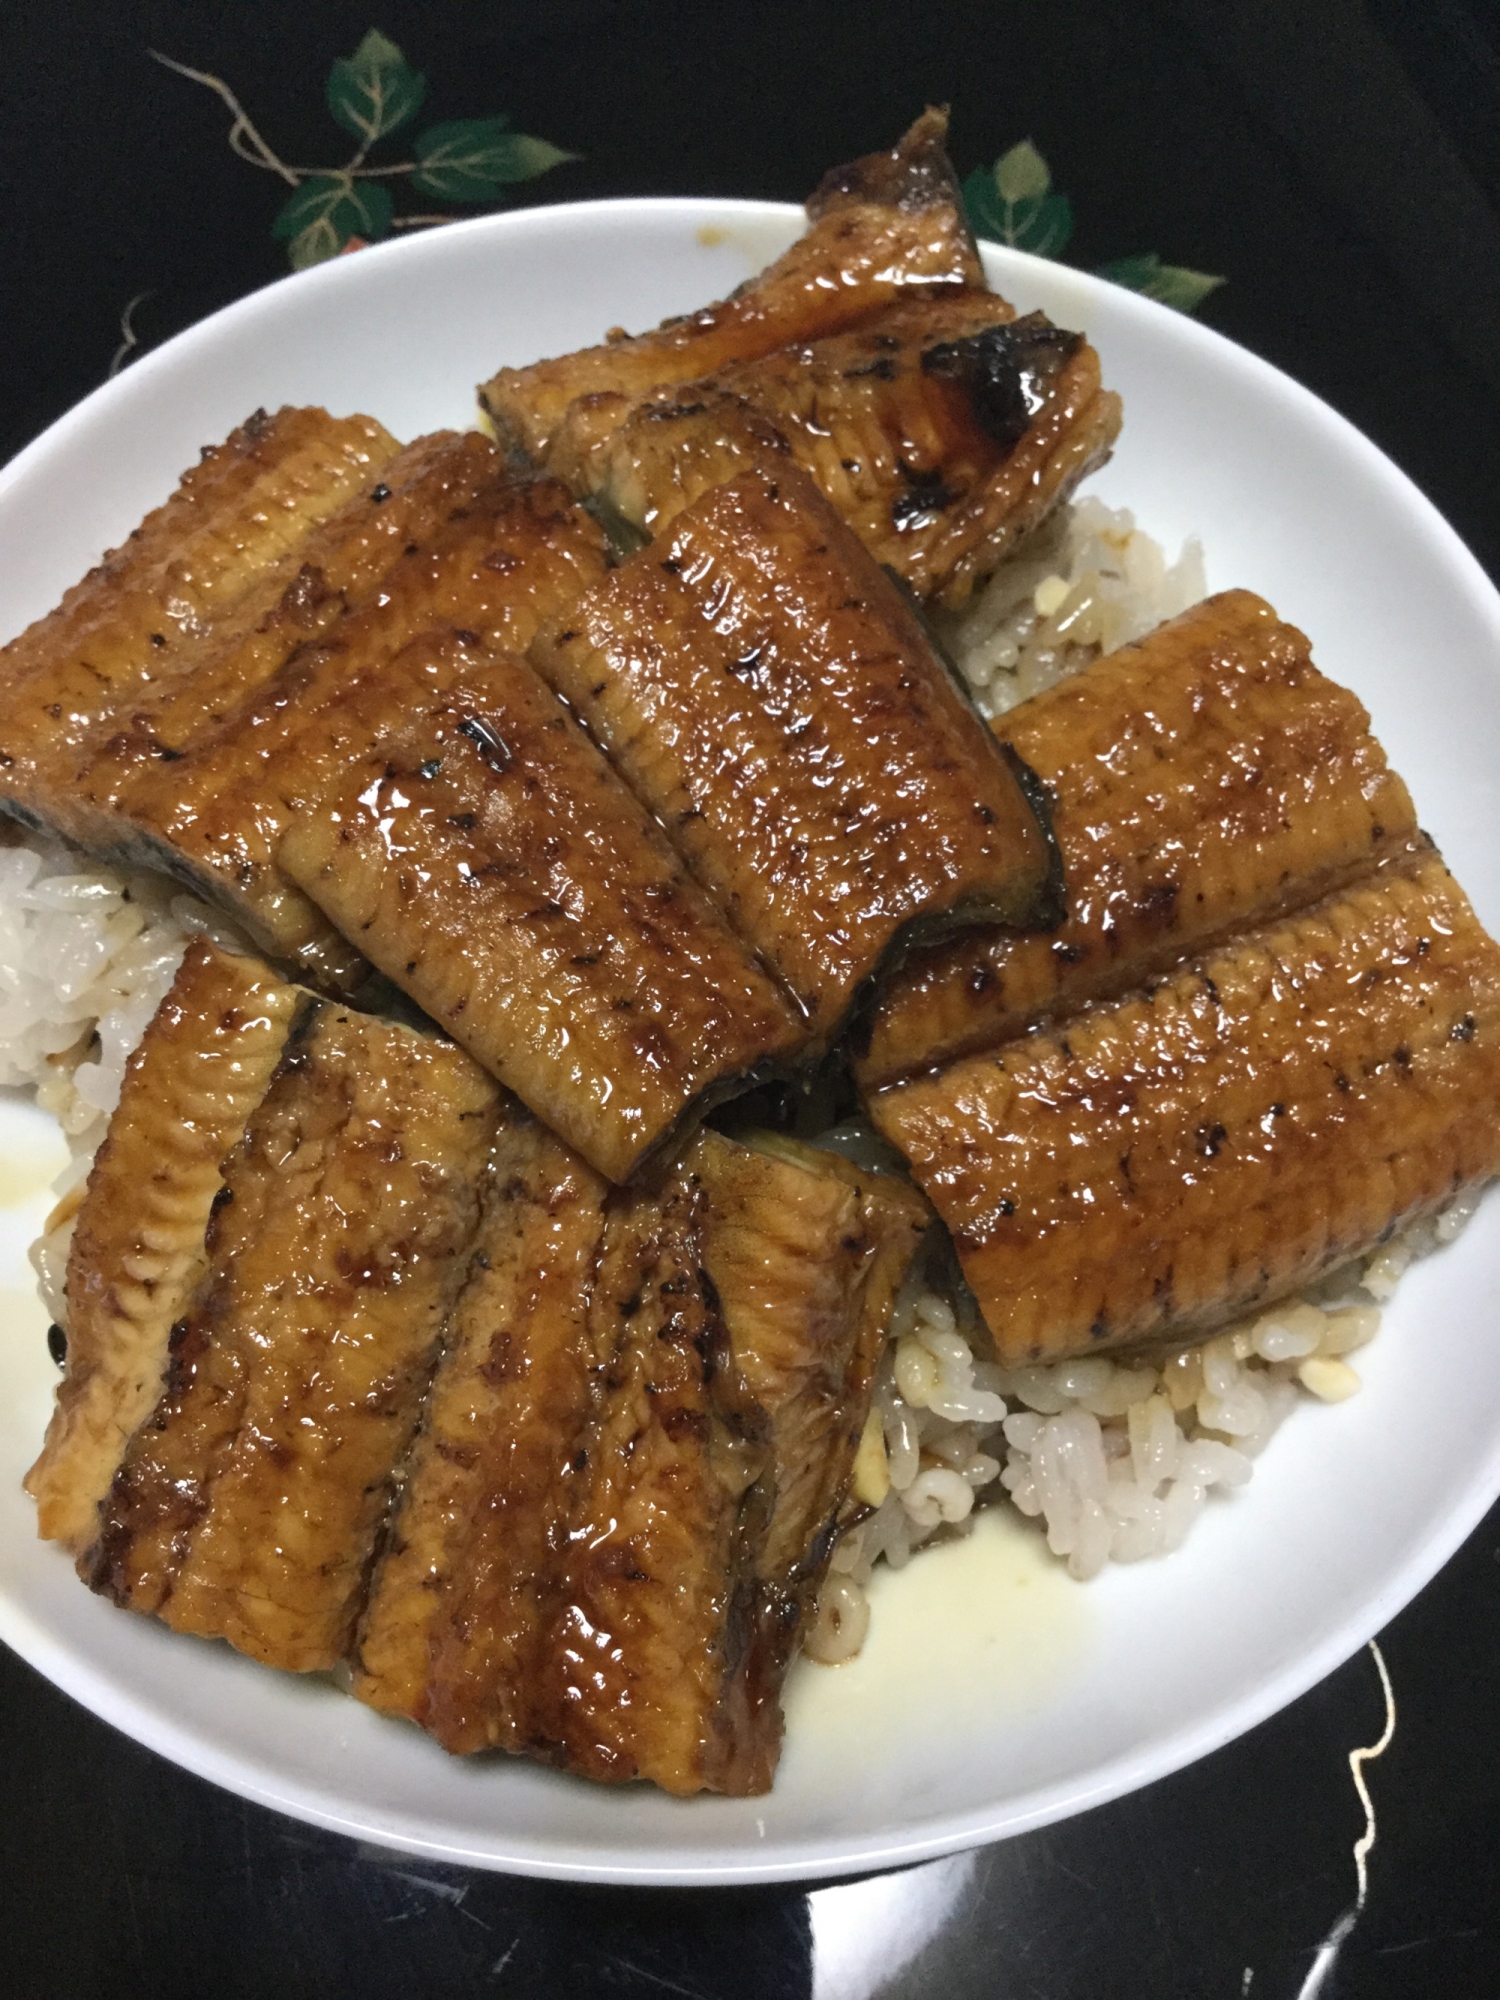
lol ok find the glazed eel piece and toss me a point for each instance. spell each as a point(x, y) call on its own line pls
point(643, 1418)
point(339, 572)
point(213, 813)
point(622, 1502)
point(1204, 780)
point(246, 1503)
point(462, 831)
point(881, 228)
point(182, 772)
point(772, 699)
point(452, 1631)
point(943, 430)
point(204, 568)
point(203, 1065)
point(1156, 1166)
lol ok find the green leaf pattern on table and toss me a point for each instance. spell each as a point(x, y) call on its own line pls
point(472, 159)
point(375, 90)
point(372, 94)
point(1173, 284)
point(1013, 202)
point(326, 211)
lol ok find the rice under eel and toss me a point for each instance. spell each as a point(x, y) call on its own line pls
point(202, 1067)
point(647, 1416)
point(1158, 1166)
point(476, 847)
point(248, 1502)
point(512, 554)
point(944, 431)
point(772, 699)
point(1206, 779)
point(207, 565)
point(881, 228)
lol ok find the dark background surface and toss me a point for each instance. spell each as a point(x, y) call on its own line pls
point(1339, 164)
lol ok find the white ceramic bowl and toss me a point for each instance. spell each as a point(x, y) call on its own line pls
point(994, 1694)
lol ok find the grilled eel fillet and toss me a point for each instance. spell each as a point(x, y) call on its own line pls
point(882, 228)
point(467, 836)
point(619, 1510)
point(943, 430)
point(1204, 780)
point(452, 1631)
point(137, 1254)
point(246, 1504)
point(213, 561)
point(421, 507)
point(646, 1407)
point(768, 695)
point(181, 772)
point(213, 812)
point(794, 1266)
point(1162, 1164)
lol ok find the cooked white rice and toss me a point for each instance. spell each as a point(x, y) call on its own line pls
point(1088, 582)
point(1116, 1457)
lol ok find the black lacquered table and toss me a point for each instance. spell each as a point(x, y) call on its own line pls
point(1338, 166)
